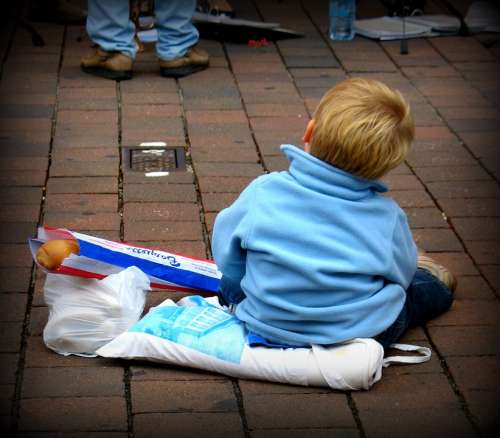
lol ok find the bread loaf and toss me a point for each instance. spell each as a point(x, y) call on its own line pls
point(52, 253)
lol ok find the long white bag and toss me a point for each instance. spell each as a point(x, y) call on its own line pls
point(196, 332)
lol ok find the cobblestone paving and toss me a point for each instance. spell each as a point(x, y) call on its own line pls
point(61, 133)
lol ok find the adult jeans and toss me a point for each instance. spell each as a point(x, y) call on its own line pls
point(110, 27)
point(426, 298)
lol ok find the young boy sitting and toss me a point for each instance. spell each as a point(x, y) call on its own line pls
point(316, 254)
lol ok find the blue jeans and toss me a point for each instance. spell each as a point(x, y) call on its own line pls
point(426, 298)
point(110, 27)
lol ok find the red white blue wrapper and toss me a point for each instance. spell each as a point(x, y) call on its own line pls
point(99, 258)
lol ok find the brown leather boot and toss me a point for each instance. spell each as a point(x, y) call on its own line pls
point(109, 65)
point(194, 60)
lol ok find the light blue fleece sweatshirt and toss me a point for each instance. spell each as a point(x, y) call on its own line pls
point(322, 256)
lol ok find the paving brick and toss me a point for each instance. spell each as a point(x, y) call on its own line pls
point(426, 218)
point(402, 182)
point(8, 368)
point(82, 185)
point(38, 319)
point(271, 109)
point(276, 163)
point(436, 71)
point(492, 275)
point(254, 387)
point(16, 255)
point(481, 229)
point(227, 155)
point(22, 178)
point(15, 279)
point(14, 305)
point(438, 240)
point(310, 433)
point(469, 312)
point(412, 198)
point(151, 372)
point(186, 425)
point(433, 133)
point(228, 169)
point(11, 232)
point(10, 342)
point(483, 405)
point(484, 252)
point(72, 381)
point(87, 434)
point(159, 193)
point(162, 230)
point(161, 211)
point(24, 163)
point(89, 139)
point(223, 184)
point(73, 414)
point(456, 189)
point(83, 221)
point(456, 207)
point(424, 402)
point(157, 98)
point(297, 411)
point(473, 288)
point(131, 177)
point(39, 356)
point(6, 399)
point(465, 341)
point(458, 157)
point(91, 203)
point(215, 202)
point(242, 138)
point(179, 396)
point(20, 195)
point(216, 117)
point(443, 101)
point(476, 373)
point(469, 173)
point(68, 168)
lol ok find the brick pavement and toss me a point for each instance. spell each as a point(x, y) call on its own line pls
point(61, 134)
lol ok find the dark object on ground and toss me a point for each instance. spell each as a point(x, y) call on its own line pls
point(14, 14)
point(225, 28)
point(57, 11)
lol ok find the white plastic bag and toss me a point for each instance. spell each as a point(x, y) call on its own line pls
point(197, 332)
point(85, 314)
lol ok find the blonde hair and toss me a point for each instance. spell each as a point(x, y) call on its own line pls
point(363, 127)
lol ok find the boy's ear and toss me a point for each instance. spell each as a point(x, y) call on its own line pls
point(309, 131)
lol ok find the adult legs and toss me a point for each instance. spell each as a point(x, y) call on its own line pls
point(177, 37)
point(110, 27)
point(176, 32)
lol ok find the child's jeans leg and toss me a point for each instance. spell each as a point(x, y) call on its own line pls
point(426, 298)
point(230, 292)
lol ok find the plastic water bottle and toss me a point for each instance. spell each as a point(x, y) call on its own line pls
point(342, 14)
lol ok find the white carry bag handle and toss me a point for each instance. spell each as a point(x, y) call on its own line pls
point(425, 355)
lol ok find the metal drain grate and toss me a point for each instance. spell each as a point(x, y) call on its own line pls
point(155, 159)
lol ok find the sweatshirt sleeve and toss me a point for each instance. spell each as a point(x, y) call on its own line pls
point(404, 252)
point(230, 233)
